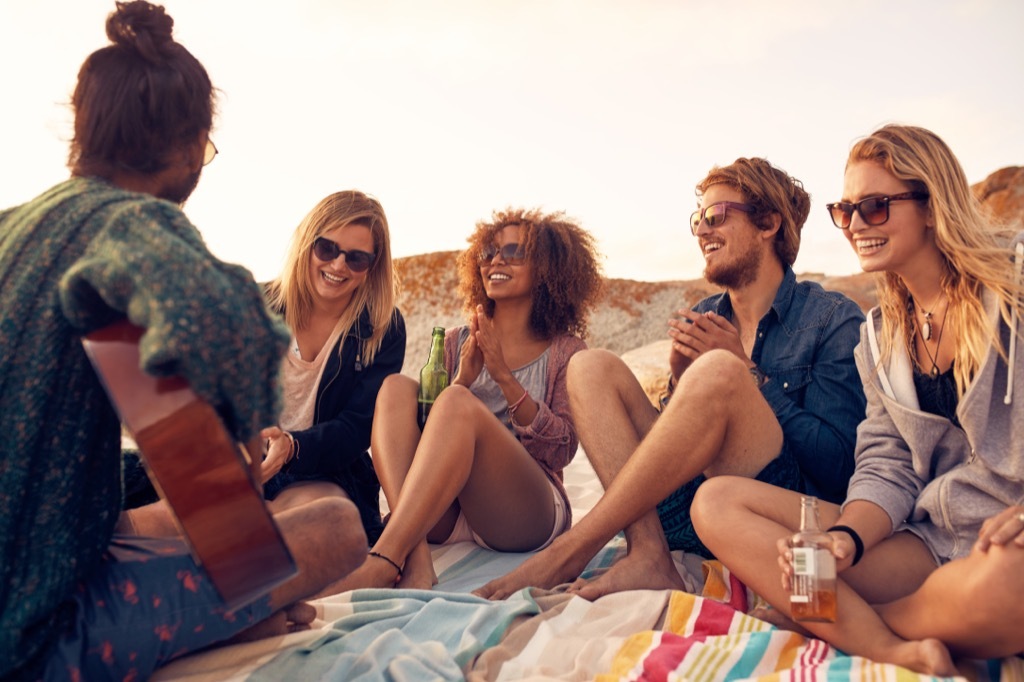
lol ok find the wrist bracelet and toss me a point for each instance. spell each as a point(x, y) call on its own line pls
point(515, 406)
point(857, 542)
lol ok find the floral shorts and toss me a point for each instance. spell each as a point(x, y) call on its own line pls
point(146, 603)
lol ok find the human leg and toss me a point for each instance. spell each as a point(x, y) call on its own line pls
point(973, 605)
point(740, 520)
point(149, 602)
point(716, 422)
point(393, 441)
point(499, 486)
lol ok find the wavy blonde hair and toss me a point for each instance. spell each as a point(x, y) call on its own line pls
point(973, 247)
point(292, 291)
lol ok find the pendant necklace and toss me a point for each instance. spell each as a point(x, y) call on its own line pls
point(926, 335)
point(926, 326)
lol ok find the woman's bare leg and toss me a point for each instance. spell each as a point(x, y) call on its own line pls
point(465, 454)
point(973, 605)
point(740, 520)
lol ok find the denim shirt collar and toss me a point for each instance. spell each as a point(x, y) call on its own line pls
point(781, 303)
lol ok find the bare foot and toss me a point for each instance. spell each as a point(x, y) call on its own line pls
point(293, 618)
point(552, 566)
point(926, 656)
point(418, 572)
point(635, 571)
point(375, 572)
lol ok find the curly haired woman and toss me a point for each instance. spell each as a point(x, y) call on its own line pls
point(487, 467)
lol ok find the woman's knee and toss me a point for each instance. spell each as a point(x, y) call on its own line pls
point(396, 387)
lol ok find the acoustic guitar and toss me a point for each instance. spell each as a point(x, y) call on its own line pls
point(205, 477)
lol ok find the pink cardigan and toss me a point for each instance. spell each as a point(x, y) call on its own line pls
point(551, 437)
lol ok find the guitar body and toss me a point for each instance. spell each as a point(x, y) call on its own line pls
point(203, 475)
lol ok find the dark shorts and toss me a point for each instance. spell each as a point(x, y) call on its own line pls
point(146, 603)
point(674, 510)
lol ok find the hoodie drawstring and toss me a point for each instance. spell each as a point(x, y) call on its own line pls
point(1018, 263)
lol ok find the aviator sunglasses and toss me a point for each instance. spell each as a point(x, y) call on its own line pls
point(357, 261)
point(715, 214)
point(873, 210)
point(510, 253)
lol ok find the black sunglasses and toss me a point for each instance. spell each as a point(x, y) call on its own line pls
point(510, 253)
point(873, 210)
point(716, 214)
point(357, 261)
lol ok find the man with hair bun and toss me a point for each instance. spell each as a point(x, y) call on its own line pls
point(762, 385)
point(86, 591)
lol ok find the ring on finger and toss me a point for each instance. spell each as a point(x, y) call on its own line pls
point(1020, 517)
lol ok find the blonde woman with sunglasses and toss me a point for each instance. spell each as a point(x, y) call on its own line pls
point(930, 540)
point(337, 294)
point(487, 467)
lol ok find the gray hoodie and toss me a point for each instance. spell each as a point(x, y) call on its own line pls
point(934, 479)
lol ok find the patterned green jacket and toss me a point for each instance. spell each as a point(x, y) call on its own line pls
point(74, 259)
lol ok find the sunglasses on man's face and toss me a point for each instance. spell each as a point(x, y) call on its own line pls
point(716, 214)
point(357, 261)
point(873, 210)
point(510, 253)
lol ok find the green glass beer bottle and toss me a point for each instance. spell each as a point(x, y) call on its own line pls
point(433, 377)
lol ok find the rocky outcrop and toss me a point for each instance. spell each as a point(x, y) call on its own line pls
point(632, 318)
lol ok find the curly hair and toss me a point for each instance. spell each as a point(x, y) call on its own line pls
point(973, 246)
point(567, 278)
point(771, 191)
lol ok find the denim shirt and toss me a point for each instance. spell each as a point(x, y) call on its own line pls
point(805, 345)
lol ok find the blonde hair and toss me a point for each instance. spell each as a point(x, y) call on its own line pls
point(973, 247)
point(292, 291)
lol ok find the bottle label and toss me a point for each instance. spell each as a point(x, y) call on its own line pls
point(816, 562)
point(803, 561)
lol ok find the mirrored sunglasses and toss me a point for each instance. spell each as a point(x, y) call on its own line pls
point(716, 214)
point(873, 210)
point(510, 253)
point(357, 261)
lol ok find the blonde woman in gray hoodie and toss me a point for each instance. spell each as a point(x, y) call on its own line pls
point(929, 543)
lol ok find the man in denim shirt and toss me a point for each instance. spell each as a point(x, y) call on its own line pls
point(763, 384)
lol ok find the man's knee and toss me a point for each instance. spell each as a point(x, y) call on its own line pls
point(339, 539)
point(715, 375)
point(596, 366)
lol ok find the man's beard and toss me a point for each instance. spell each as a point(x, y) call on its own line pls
point(180, 193)
point(739, 272)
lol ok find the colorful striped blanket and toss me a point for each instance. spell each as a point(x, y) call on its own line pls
point(448, 634)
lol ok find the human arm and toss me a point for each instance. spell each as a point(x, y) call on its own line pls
point(205, 320)
point(870, 523)
point(551, 436)
point(814, 390)
point(345, 406)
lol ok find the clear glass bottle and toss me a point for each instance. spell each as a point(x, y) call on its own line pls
point(813, 596)
point(433, 377)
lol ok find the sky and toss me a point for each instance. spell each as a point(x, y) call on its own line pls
point(608, 110)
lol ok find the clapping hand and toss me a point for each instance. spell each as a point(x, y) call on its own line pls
point(471, 358)
point(693, 334)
